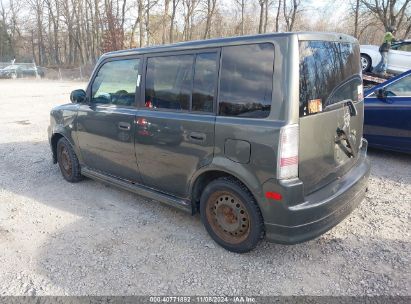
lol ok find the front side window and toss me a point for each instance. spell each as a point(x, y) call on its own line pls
point(116, 83)
point(399, 88)
point(246, 80)
point(168, 82)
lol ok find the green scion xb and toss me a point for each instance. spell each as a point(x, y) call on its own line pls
point(262, 135)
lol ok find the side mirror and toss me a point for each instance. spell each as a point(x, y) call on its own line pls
point(78, 96)
point(381, 93)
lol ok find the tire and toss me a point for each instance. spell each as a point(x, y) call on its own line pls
point(231, 215)
point(365, 63)
point(68, 161)
point(13, 76)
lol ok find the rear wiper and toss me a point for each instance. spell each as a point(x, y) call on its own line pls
point(348, 147)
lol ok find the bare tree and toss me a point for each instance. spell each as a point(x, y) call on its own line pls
point(210, 8)
point(261, 19)
point(189, 11)
point(173, 16)
point(241, 4)
point(389, 12)
point(277, 17)
point(290, 12)
point(165, 20)
point(356, 17)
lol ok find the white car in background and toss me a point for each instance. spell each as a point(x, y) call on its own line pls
point(399, 57)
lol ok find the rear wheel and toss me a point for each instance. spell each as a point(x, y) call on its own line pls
point(68, 161)
point(231, 215)
point(365, 63)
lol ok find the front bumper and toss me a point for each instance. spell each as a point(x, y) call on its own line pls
point(324, 208)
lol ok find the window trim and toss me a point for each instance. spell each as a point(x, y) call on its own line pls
point(97, 70)
point(194, 52)
point(219, 81)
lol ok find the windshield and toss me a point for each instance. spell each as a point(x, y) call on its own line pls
point(329, 73)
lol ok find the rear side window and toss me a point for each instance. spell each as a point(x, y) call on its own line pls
point(204, 82)
point(168, 82)
point(246, 80)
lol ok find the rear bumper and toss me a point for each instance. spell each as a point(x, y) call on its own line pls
point(324, 208)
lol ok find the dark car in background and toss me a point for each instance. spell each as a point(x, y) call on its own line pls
point(387, 121)
point(262, 135)
point(20, 71)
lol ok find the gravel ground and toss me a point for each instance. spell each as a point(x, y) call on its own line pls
point(58, 238)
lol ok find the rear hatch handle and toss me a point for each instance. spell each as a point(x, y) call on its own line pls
point(348, 146)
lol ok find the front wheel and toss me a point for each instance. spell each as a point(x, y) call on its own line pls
point(231, 215)
point(68, 161)
point(365, 63)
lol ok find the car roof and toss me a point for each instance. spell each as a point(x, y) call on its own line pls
point(218, 42)
point(385, 83)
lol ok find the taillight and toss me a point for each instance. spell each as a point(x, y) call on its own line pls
point(141, 121)
point(287, 164)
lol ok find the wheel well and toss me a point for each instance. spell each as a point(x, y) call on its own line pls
point(368, 56)
point(54, 140)
point(202, 181)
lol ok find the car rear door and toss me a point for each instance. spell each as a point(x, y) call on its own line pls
point(175, 124)
point(105, 126)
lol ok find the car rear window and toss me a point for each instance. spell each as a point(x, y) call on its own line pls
point(246, 80)
point(330, 72)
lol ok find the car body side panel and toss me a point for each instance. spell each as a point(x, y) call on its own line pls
point(387, 123)
point(63, 121)
point(170, 147)
point(105, 145)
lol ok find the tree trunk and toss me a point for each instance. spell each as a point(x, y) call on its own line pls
point(165, 21)
point(277, 18)
point(173, 15)
point(261, 20)
point(357, 9)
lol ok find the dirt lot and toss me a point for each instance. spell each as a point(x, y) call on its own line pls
point(58, 238)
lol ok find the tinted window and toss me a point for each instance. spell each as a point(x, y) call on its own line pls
point(168, 82)
point(204, 82)
point(329, 73)
point(246, 80)
point(116, 83)
point(401, 87)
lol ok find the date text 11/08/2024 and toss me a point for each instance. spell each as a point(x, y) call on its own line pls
point(202, 299)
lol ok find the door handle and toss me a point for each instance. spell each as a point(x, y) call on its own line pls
point(124, 126)
point(196, 136)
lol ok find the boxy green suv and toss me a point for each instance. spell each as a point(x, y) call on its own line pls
point(260, 134)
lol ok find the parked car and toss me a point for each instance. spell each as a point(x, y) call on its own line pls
point(399, 57)
point(387, 123)
point(217, 127)
point(20, 70)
